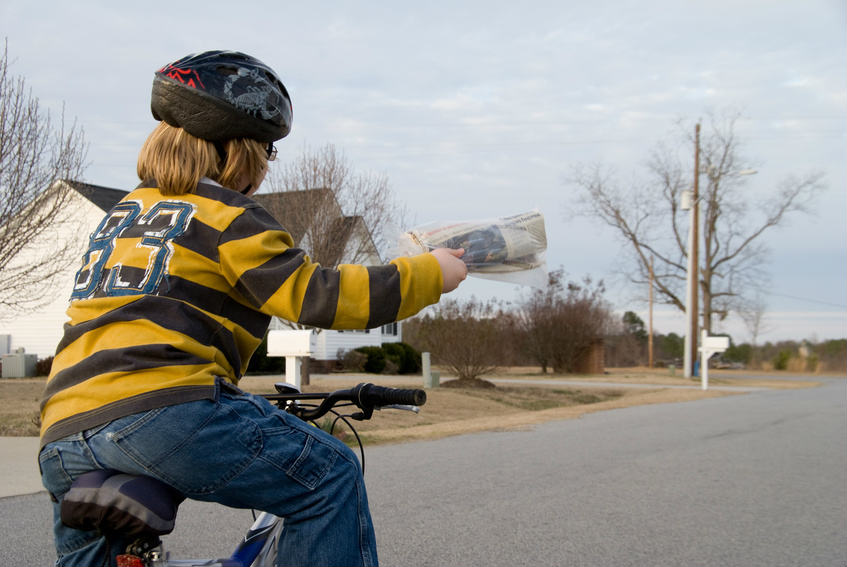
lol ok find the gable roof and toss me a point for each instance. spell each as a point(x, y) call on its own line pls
point(302, 201)
point(292, 209)
point(104, 197)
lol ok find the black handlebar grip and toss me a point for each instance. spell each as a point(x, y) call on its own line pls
point(381, 396)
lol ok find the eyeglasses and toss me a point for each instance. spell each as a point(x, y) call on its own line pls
point(271, 149)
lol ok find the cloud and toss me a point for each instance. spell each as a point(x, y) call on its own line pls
point(478, 109)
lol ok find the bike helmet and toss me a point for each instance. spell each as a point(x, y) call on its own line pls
point(221, 95)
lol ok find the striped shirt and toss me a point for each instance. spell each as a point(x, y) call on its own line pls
point(177, 291)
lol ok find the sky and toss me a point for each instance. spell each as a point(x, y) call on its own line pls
point(479, 109)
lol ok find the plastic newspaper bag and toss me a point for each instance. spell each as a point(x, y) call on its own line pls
point(509, 249)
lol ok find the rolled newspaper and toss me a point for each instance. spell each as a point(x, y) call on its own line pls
point(494, 246)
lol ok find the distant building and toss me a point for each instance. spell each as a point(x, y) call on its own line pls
point(39, 332)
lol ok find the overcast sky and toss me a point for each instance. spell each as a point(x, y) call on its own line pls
point(480, 109)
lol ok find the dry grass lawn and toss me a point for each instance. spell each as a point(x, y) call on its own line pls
point(19, 399)
point(450, 411)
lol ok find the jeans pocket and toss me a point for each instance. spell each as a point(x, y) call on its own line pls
point(313, 463)
point(54, 477)
point(196, 447)
point(304, 453)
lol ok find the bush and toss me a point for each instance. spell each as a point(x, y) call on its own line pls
point(394, 353)
point(43, 366)
point(352, 360)
point(470, 338)
point(261, 363)
point(407, 359)
point(376, 359)
point(812, 363)
point(780, 361)
point(391, 367)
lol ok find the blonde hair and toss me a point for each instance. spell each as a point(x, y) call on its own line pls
point(177, 160)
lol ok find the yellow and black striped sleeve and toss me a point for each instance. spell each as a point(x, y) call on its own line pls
point(260, 261)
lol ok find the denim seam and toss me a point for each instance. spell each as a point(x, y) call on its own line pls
point(302, 458)
point(76, 543)
point(364, 544)
point(86, 448)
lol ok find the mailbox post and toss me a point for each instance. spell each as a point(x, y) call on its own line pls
point(711, 345)
point(294, 346)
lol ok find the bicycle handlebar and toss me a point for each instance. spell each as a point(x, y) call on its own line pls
point(366, 397)
point(378, 396)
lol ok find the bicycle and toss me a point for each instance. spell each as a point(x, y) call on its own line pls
point(143, 509)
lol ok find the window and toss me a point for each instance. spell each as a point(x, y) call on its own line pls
point(390, 329)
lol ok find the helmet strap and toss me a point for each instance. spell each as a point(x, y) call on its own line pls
point(219, 146)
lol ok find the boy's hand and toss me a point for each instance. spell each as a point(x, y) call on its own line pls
point(453, 270)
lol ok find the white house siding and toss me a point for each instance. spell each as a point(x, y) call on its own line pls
point(39, 332)
point(326, 343)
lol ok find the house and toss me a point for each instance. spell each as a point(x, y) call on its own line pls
point(317, 224)
point(321, 228)
point(39, 332)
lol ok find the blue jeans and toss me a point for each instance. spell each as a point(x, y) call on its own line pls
point(239, 451)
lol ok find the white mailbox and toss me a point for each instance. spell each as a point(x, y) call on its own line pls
point(293, 345)
point(716, 344)
point(709, 346)
point(290, 343)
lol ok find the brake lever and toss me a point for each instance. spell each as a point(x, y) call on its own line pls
point(413, 409)
point(367, 413)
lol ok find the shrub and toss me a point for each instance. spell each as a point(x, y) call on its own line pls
point(261, 363)
point(394, 354)
point(812, 363)
point(413, 359)
point(391, 367)
point(780, 361)
point(43, 366)
point(560, 324)
point(469, 337)
point(352, 360)
point(407, 359)
point(376, 359)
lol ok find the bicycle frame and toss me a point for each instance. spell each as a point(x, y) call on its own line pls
point(257, 549)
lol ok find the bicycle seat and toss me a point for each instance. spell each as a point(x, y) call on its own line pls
point(114, 502)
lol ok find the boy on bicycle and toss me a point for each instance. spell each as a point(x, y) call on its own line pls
point(175, 293)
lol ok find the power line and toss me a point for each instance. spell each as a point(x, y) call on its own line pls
point(807, 299)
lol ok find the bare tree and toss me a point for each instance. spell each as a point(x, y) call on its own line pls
point(536, 317)
point(753, 315)
point(562, 322)
point(626, 343)
point(647, 217)
point(335, 214)
point(36, 152)
point(470, 337)
point(328, 201)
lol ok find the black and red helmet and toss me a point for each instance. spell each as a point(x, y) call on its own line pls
point(222, 95)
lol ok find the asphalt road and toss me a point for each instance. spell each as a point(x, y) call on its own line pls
point(752, 479)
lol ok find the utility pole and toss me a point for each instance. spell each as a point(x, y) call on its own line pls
point(695, 248)
point(650, 319)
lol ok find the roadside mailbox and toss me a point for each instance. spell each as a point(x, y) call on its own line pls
point(294, 345)
point(709, 346)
